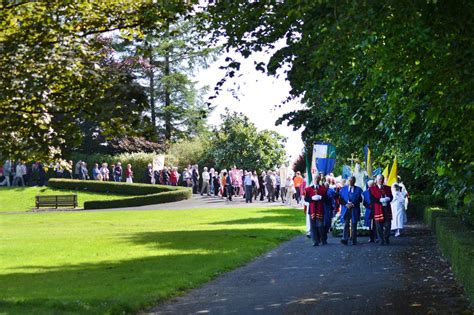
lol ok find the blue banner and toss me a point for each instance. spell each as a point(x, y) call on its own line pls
point(324, 157)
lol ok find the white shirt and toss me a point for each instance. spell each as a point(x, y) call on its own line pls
point(248, 180)
point(205, 176)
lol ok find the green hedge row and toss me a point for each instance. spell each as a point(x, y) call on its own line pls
point(110, 187)
point(431, 213)
point(418, 204)
point(142, 194)
point(456, 241)
point(169, 196)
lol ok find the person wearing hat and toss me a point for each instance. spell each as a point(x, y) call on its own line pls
point(350, 197)
point(315, 196)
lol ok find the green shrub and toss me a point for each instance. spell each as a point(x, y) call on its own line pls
point(186, 152)
point(431, 213)
point(143, 194)
point(456, 241)
point(163, 197)
point(109, 187)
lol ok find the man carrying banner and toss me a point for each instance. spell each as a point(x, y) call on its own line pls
point(380, 198)
point(350, 197)
point(315, 196)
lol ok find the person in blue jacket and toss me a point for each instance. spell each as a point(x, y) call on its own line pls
point(369, 215)
point(350, 197)
point(329, 206)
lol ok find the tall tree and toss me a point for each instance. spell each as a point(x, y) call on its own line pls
point(50, 65)
point(165, 58)
point(238, 142)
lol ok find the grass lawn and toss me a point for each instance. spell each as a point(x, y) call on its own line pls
point(16, 199)
point(124, 261)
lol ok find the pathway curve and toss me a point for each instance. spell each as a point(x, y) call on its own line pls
point(196, 202)
point(407, 277)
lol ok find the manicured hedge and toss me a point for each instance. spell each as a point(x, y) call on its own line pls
point(109, 187)
point(456, 241)
point(169, 196)
point(431, 213)
point(142, 194)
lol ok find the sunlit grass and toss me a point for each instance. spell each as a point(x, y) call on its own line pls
point(128, 260)
point(19, 199)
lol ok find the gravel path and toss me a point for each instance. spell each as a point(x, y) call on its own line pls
point(407, 277)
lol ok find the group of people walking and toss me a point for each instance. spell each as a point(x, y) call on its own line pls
point(20, 173)
point(384, 209)
point(268, 185)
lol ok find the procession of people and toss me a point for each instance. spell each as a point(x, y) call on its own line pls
point(322, 199)
point(385, 208)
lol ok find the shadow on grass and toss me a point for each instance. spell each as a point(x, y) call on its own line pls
point(191, 258)
point(285, 216)
point(23, 188)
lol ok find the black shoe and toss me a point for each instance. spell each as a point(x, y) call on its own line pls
point(387, 241)
point(344, 242)
point(315, 244)
point(325, 242)
point(354, 243)
point(308, 235)
point(371, 241)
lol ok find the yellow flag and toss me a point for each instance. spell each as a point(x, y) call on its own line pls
point(392, 178)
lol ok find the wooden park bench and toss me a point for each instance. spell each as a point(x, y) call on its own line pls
point(56, 201)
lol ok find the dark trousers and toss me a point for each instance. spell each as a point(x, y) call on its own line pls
point(325, 234)
point(277, 192)
point(372, 230)
point(262, 192)
point(383, 230)
point(298, 195)
point(271, 193)
point(347, 222)
point(283, 194)
point(195, 186)
point(248, 193)
point(317, 231)
point(229, 192)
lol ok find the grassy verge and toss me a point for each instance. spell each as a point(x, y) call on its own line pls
point(18, 199)
point(114, 262)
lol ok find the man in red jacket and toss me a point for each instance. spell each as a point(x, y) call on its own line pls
point(315, 195)
point(380, 198)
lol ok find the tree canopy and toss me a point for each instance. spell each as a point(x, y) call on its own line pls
point(238, 142)
point(50, 65)
point(396, 75)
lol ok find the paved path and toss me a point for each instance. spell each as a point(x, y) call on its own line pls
point(407, 277)
point(196, 202)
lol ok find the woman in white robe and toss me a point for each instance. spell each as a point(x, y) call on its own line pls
point(399, 216)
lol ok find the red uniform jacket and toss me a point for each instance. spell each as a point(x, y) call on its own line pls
point(316, 208)
point(375, 194)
